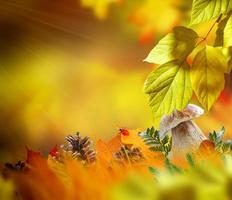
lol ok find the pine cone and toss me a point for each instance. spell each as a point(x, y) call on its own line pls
point(128, 154)
point(79, 148)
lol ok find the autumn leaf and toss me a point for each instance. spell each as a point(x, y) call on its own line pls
point(224, 39)
point(35, 159)
point(104, 155)
point(132, 138)
point(224, 32)
point(227, 52)
point(39, 182)
point(115, 143)
point(227, 36)
point(85, 183)
point(205, 10)
point(174, 46)
point(105, 150)
point(136, 141)
point(207, 75)
point(58, 169)
point(169, 88)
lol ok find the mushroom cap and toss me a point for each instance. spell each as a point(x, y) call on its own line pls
point(176, 117)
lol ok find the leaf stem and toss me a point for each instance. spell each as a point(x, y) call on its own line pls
point(211, 28)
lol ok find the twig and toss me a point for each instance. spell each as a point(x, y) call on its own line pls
point(211, 28)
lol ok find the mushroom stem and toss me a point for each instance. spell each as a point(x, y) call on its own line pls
point(186, 137)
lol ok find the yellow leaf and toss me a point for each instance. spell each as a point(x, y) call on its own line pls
point(205, 10)
point(176, 45)
point(169, 88)
point(227, 52)
point(224, 32)
point(207, 75)
point(228, 33)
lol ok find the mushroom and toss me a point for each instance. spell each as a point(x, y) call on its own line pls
point(186, 135)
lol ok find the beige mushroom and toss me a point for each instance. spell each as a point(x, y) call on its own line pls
point(186, 135)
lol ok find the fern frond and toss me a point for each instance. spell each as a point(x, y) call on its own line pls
point(151, 138)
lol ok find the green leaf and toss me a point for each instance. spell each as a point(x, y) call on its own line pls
point(226, 147)
point(205, 10)
point(190, 160)
point(224, 32)
point(227, 36)
point(173, 169)
point(227, 52)
point(156, 148)
point(221, 133)
point(150, 142)
point(174, 46)
point(216, 137)
point(213, 137)
point(165, 140)
point(153, 170)
point(169, 88)
point(207, 75)
point(152, 139)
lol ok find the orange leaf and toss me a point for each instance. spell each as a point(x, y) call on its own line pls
point(105, 150)
point(39, 182)
point(207, 147)
point(35, 159)
point(134, 139)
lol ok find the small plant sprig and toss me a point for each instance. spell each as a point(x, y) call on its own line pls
point(151, 138)
point(174, 169)
point(220, 145)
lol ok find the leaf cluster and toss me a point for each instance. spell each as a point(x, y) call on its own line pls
point(152, 139)
point(171, 85)
point(217, 138)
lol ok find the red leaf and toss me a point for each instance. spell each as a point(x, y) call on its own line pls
point(35, 159)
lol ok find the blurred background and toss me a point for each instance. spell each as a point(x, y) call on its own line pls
point(70, 65)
